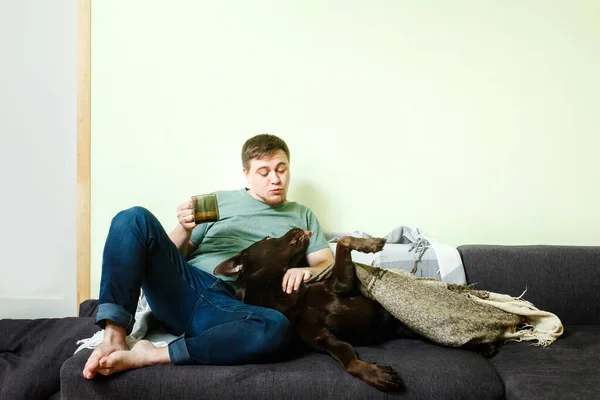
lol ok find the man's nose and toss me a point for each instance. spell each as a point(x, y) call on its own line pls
point(274, 176)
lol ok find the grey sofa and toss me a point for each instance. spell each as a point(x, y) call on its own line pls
point(563, 280)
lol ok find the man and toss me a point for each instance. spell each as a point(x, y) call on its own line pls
point(183, 294)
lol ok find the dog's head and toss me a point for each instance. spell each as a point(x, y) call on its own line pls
point(261, 266)
point(267, 258)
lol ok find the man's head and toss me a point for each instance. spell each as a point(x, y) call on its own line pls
point(266, 163)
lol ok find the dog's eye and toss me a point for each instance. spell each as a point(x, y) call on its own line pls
point(267, 237)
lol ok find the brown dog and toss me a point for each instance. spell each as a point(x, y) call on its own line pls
point(328, 315)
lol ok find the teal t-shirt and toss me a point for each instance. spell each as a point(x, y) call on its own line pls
point(243, 220)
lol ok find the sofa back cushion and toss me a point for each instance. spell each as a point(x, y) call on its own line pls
point(564, 280)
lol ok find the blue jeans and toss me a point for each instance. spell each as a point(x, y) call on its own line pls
point(217, 328)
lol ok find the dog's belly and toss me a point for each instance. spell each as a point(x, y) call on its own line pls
point(350, 314)
point(345, 316)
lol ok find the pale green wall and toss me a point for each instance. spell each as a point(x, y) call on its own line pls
point(476, 121)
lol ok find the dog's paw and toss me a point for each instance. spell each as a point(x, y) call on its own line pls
point(387, 379)
point(372, 245)
point(382, 377)
point(364, 245)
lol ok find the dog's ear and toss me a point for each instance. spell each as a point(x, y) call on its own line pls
point(230, 267)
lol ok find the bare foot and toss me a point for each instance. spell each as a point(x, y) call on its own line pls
point(114, 340)
point(101, 351)
point(142, 354)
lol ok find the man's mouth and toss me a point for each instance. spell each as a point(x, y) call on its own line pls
point(276, 191)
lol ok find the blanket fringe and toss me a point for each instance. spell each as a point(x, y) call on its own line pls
point(540, 327)
point(529, 333)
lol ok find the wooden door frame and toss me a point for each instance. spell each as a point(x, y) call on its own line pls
point(83, 148)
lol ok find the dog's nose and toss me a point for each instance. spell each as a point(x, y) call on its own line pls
point(308, 233)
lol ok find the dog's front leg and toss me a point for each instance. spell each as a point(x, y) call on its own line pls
point(382, 377)
point(343, 279)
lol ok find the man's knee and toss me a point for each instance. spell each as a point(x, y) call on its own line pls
point(131, 215)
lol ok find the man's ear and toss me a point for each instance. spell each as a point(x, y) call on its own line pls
point(229, 267)
point(246, 174)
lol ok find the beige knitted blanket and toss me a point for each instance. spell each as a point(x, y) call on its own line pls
point(454, 315)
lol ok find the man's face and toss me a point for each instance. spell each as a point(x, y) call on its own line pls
point(269, 178)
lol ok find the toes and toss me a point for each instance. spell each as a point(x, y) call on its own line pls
point(87, 374)
point(87, 370)
point(106, 366)
point(100, 359)
point(91, 367)
point(105, 371)
point(107, 362)
point(92, 360)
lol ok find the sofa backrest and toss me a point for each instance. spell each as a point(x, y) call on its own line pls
point(564, 280)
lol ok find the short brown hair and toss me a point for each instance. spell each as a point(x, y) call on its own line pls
point(261, 146)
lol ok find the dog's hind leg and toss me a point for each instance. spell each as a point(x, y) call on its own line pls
point(382, 377)
point(343, 280)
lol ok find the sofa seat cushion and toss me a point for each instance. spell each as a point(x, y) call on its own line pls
point(567, 369)
point(428, 371)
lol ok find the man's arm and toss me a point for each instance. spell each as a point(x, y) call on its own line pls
point(317, 261)
point(181, 238)
point(182, 233)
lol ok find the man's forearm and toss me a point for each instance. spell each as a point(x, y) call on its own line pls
point(181, 238)
point(319, 260)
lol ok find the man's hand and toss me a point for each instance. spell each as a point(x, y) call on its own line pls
point(293, 279)
point(185, 215)
point(180, 236)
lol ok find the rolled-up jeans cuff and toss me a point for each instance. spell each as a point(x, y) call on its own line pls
point(116, 314)
point(178, 352)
